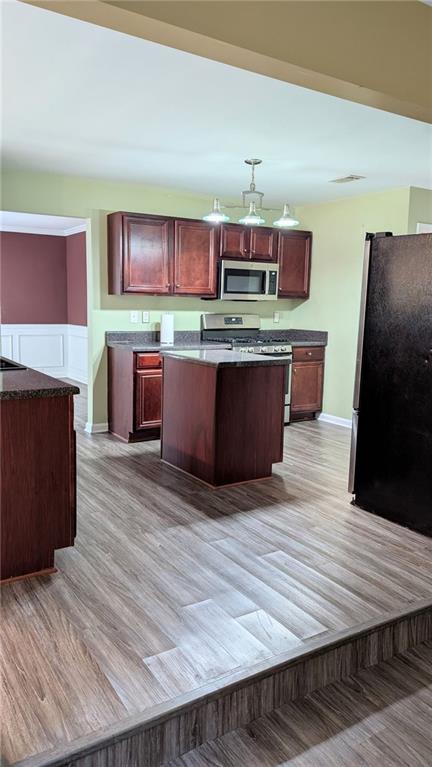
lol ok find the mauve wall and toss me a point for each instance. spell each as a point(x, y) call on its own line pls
point(42, 279)
point(76, 279)
point(33, 286)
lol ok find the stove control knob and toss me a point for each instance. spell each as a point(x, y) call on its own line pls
point(283, 349)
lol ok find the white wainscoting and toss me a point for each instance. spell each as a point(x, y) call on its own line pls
point(77, 353)
point(58, 350)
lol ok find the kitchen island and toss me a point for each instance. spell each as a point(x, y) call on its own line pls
point(37, 465)
point(222, 414)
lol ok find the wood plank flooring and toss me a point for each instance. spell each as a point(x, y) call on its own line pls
point(380, 716)
point(171, 585)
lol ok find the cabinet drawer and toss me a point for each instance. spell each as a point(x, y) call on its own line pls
point(308, 353)
point(148, 360)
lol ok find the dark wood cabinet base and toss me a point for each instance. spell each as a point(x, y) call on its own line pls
point(303, 417)
point(144, 435)
point(45, 571)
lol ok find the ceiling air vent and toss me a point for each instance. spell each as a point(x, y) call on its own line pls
point(346, 179)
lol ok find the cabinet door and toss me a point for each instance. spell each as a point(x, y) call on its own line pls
point(148, 394)
point(195, 254)
point(307, 387)
point(146, 255)
point(263, 244)
point(234, 241)
point(294, 256)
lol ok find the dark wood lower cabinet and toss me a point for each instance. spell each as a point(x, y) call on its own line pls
point(148, 395)
point(135, 390)
point(38, 483)
point(212, 428)
point(134, 394)
point(307, 382)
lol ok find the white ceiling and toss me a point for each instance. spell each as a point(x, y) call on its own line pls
point(85, 100)
point(34, 223)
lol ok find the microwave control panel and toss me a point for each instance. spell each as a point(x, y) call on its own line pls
point(272, 283)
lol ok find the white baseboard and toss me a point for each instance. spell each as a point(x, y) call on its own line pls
point(335, 419)
point(57, 350)
point(95, 428)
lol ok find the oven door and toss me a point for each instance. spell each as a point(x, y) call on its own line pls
point(250, 281)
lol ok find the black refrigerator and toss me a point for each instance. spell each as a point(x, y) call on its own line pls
point(391, 450)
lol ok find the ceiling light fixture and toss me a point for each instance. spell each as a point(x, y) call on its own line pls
point(252, 198)
point(287, 219)
point(216, 216)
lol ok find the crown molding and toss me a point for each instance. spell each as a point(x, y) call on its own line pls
point(48, 232)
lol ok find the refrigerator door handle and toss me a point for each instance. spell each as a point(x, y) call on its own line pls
point(352, 465)
point(360, 338)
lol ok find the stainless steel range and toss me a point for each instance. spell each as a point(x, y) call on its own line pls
point(242, 332)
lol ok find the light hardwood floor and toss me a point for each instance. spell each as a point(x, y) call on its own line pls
point(381, 716)
point(171, 585)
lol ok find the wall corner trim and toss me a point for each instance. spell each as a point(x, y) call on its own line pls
point(96, 428)
point(335, 419)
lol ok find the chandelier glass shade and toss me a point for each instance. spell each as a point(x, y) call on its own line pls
point(287, 219)
point(216, 216)
point(252, 218)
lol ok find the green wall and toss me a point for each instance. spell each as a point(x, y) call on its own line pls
point(338, 231)
point(420, 208)
point(337, 261)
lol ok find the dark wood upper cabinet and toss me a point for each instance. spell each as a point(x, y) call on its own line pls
point(234, 241)
point(258, 242)
point(162, 255)
point(294, 257)
point(195, 258)
point(263, 243)
point(139, 253)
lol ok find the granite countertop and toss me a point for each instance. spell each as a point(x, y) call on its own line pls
point(156, 347)
point(30, 384)
point(225, 358)
point(148, 341)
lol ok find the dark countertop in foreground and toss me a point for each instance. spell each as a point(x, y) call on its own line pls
point(225, 358)
point(30, 384)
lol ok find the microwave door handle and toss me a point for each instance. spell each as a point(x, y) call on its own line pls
point(267, 282)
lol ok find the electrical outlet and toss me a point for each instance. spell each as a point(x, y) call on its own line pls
point(276, 316)
point(146, 316)
point(133, 316)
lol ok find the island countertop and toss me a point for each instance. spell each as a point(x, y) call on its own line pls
point(30, 384)
point(226, 358)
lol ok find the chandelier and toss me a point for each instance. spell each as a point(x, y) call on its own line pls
point(252, 198)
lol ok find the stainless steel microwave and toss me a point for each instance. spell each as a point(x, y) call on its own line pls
point(248, 281)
